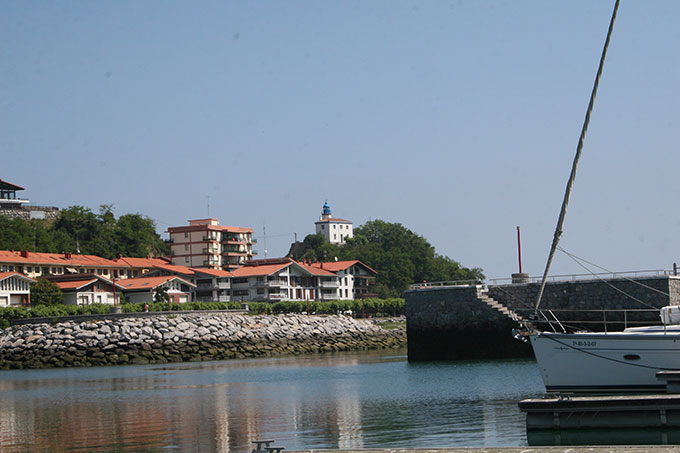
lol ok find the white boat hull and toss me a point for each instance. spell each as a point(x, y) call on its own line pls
point(598, 362)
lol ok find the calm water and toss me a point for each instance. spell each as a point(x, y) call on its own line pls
point(357, 400)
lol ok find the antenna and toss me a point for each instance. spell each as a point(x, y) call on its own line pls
point(208, 197)
point(264, 234)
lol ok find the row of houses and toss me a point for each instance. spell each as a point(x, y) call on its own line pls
point(86, 279)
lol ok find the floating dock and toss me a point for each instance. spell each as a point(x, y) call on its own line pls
point(622, 411)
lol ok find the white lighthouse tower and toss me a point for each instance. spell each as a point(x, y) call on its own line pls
point(336, 231)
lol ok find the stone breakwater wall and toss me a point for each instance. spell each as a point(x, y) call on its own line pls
point(194, 337)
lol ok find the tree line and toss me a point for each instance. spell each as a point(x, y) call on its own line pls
point(400, 256)
point(79, 230)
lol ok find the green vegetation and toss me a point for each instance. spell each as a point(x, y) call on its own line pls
point(400, 256)
point(359, 308)
point(79, 230)
point(45, 292)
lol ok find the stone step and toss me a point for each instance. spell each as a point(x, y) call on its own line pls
point(498, 306)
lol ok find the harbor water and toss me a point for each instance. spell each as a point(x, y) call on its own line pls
point(347, 400)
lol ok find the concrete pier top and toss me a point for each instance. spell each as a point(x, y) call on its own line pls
point(565, 449)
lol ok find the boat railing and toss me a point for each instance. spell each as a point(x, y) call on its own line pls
point(615, 319)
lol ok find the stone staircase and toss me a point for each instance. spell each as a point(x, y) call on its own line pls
point(493, 303)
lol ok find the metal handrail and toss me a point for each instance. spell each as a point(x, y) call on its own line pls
point(593, 276)
point(553, 278)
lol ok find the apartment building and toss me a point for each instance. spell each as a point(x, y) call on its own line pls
point(277, 279)
point(334, 230)
point(355, 279)
point(204, 243)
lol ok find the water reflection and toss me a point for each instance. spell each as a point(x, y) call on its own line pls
point(350, 400)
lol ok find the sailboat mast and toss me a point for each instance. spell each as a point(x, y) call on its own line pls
point(572, 176)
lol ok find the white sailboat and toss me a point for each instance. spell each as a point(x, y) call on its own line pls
point(603, 361)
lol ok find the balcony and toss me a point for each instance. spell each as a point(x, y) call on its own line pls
point(253, 241)
point(209, 238)
point(330, 284)
point(211, 250)
point(211, 263)
point(328, 296)
point(223, 285)
point(234, 252)
point(271, 283)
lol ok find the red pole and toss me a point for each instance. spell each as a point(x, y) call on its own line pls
point(519, 251)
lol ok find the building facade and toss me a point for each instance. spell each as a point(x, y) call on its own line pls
point(278, 279)
point(205, 243)
point(15, 289)
point(334, 230)
point(355, 279)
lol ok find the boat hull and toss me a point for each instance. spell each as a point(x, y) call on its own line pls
point(603, 363)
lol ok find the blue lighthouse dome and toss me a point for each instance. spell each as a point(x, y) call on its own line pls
point(326, 209)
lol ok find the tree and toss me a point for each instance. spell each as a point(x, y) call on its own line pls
point(45, 292)
point(401, 257)
point(161, 294)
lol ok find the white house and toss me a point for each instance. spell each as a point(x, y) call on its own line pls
point(144, 289)
point(86, 289)
point(278, 279)
point(15, 289)
point(355, 279)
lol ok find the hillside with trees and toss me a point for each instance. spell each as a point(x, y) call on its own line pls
point(79, 230)
point(400, 256)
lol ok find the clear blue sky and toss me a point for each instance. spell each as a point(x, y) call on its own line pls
point(457, 119)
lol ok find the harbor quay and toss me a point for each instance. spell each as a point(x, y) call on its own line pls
point(450, 320)
point(186, 337)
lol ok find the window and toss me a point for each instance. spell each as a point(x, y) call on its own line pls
point(335, 236)
point(186, 246)
point(29, 269)
point(323, 227)
point(260, 291)
point(186, 235)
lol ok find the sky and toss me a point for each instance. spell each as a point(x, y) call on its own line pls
point(457, 119)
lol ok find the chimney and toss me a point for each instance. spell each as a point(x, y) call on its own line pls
point(68, 255)
point(24, 253)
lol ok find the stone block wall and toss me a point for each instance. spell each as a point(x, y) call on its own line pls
point(186, 337)
point(571, 300)
point(49, 213)
point(452, 323)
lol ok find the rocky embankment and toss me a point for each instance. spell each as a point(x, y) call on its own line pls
point(187, 337)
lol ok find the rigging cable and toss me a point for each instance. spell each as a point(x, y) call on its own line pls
point(612, 286)
point(579, 148)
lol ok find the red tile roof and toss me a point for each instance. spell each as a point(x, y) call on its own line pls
point(265, 269)
point(149, 282)
point(333, 220)
point(213, 272)
point(6, 185)
point(55, 259)
point(316, 270)
point(336, 266)
point(141, 262)
point(75, 284)
point(184, 270)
